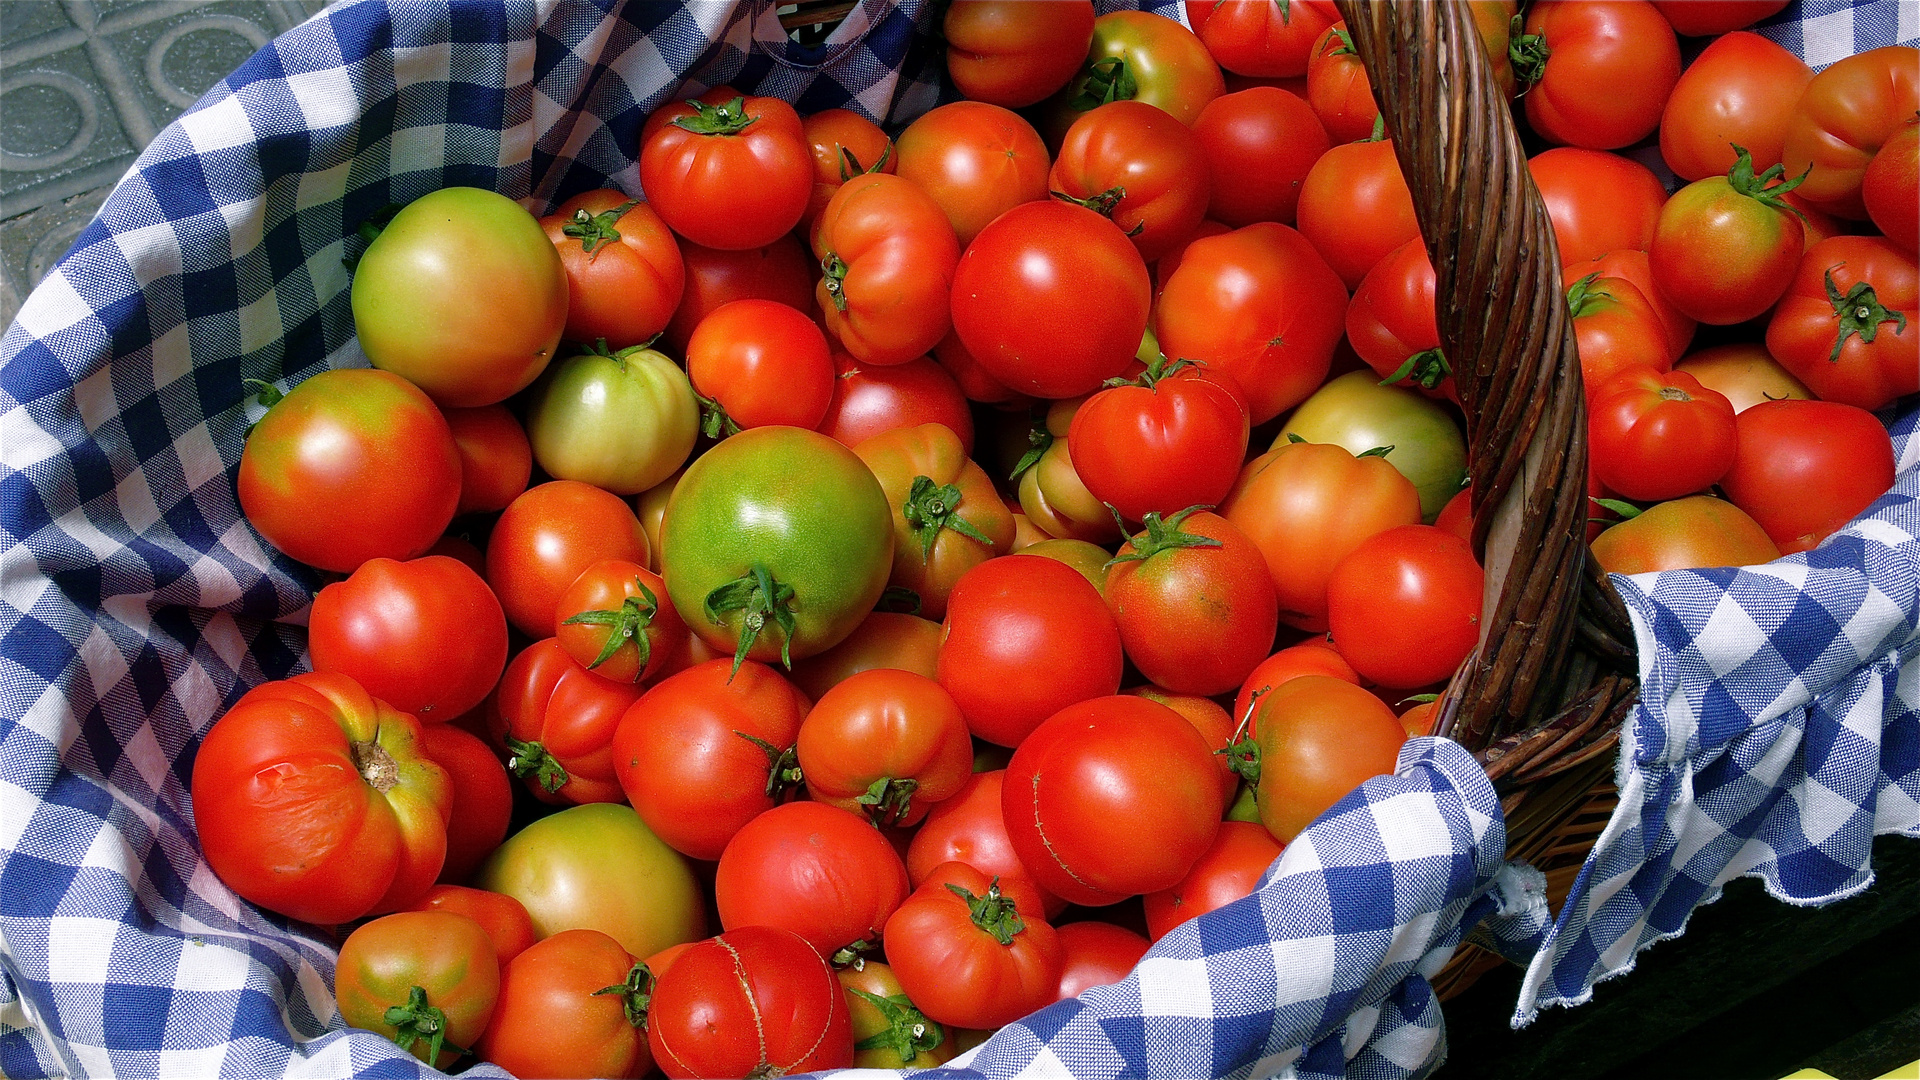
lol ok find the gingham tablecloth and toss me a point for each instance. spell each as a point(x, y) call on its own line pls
point(1780, 727)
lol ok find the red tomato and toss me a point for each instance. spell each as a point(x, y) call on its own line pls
point(1803, 469)
point(1259, 143)
point(977, 161)
point(889, 256)
point(967, 827)
point(425, 979)
point(727, 171)
point(1635, 267)
point(1890, 187)
point(1208, 718)
point(819, 871)
point(317, 800)
point(1010, 53)
point(1194, 603)
point(1164, 267)
point(974, 382)
point(1457, 516)
point(1143, 57)
point(495, 457)
point(1171, 439)
point(1025, 637)
point(754, 1001)
point(1390, 321)
point(1739, 92)
point(1260, 305)
point(1700, 18)
point(1615, 328)
point(969, 954)
point(947, 517)
point(481, 800)
point(1230, 869)
point(884, 639)
point(504, 919)
point(426, 636)
point(869, 399)
point(1355, 208)
point(1598, 202)
point(1319, 738)
point(615, 621)
point(1097, 954)
point(350, 465)
point(1726, 247)
point(1052, 496)
point(1314, 656)
point(1696, 531)
point(759, 362)
point(547, 538)
point(552, 1019)
point(1847, 111)
point(781, 272)
point(845, 145)
point(1338, 87)
point(885, 743)
point(1258, 37)
point(707, 750)
point(1140, 168)
point(1659, 435)
point(624, 273)
point(1846, 326)
point(555, 720)
point(1608, 71)
point(1405, 605)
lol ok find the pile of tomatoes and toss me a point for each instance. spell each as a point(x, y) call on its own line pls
point(948, 562)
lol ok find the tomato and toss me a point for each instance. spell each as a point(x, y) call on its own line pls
point(1097, 954)
point(869, 399)
point(425, 979)
point(1051, 492)
point(1139, 56)
point(1846, 113)
point(1739, 92)
point(755, 1001)
point(1457, 516)
point(624, 272)
point(845, 145)
point(553, 1020)
point(1636, 268)
point(317, 800)
point(1164, 267)
point(1194, 603)
point(884, 639)
point(1258, 37)
point(1173, 438)
point(1338, 87)
point(1803, 469)
point(1319, 738)
point(1744, 374)
point(350, 465)
point(1846, 326)
point(622, 421)
point(1314, 656)
point(947, 518)
point(555, 720)
point(480, 804)
point(1598, 202)
point(976, 160)
point(1405, 605)
point(1659, 436)
point(889, 1031)
point(1692, 532)
point(1260, 305)
point(780, 271)
point(707, 750)
point(651, 508)
point(1260, 144)
point(614, 622)
point(1140, 168)
point(1355, 208)
point(1011, 53)
point(495, 457)
point(967, 827)
point(1699, 18)
point(1390, 321)
point(889, 255)
point(1890, 188)
point(1230, 869)
point(1356, 412)
point(462, 295)
point(1726, 247)
point(757, 363)
point(508, 927)
point(969, 954)
point(725, 170)
point(972, 379)
point(1051, 299)
point(1208, 718)
point(1608, 71)
point(885, 743)
point(1025, 638)
point(1089, 559)
point(425, 636)
point(1615, 328)
point(777, 542)
point(547, 538)
point(822, 872)
point(1307, 505)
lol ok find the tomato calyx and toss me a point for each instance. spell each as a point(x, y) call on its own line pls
point(1527, 53)
point(532, 759)
point(1039, 439)
point(1425, 369)
point(595, 231)
point(1103, 204)
point(618, 356)
point(758, 597)
point(1625, 511)
point(887, 799)
point(1108, 80)
point(1157, 369)
point(1860, 313)
point(783, 766)
point(418, 1020)
point(993, 913)
point(628, 622)
point(728, 119)
point(853, 954)
point(264, 392)
point(1242, 751)
point(850, 166)
point(1345, 46)
point(908, 1032)
point(899, 599)
point(930, 508)
point(834, 271)
point(1582, 297)
point(1161, 535)
point(1379, 128)
point(1764, 188)
point(714, 421)
point(635, 994)
point(375, 765)
point(368, 231)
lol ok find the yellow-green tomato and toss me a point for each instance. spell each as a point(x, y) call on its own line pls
point(889, 1031)
point(622, 421)
point(1090, 559)
point(427, 980)
point(1354, 411)
point(463, 295)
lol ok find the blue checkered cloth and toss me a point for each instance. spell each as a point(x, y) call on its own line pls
point(1779, 730)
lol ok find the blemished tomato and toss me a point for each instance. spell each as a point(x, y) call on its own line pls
point(757, 363)
point(505, 920)
point(1010, 53)
point(1097, 954)
point(869, 399)
point(622, 420)
point(780, 271)
point(973, 950)
point(1356, 209)
point(552, 1020)
point(819, 871)
point(1803, 469)
point(889, 1030)
point(726, 170)
point(1615, 328)
point(555, 721)
point(1699, 18)
point(1659, 435)
point(1140, 168)
point(976, 160)
point(1405, 605)
point(888, 254)
point(1194, 602)
point(615, 621)
point(317, 800)
point(1052, 495)
point(947, 517)
point(1338, 87)
point(1259, 304)
point(1138, 56)
point(1607, 75)
point(1318, 738)
point(884, 639)
point(887, 744)
point(968, 827)
point(350, 465)
point(1598, 202)
point(425, 979)
point(462, 295)
point(495, 457)
point(1699, 530)
point(1314, 656)
point(480, 805)
point(1232, 866)
point(1739, 92)
point(1356, 412)
point(1847, 324)
point(1890, 188)
point(1726, 247)
point(1259, 143)
point(426, 636)
point(1390, 322)
point(1025, 638)
point(547, 538)
point(1257, 37)
point(1844, 115)
point(1744, 374)
point(755, 1001)
point(1172, 438)
point(624, 272)
point(845, 145)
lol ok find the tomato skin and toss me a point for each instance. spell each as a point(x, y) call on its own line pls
point(495, 457)
point(831, 135)
point(1803, 469)
point(1722, 256)
point(1659, 435)
point(1405, 605)
point(1890, 188)
point(931, 551)
point(883, 726)
point(1846, 113)
point(884, 639)
point(1744, 374)
point(1025, 637)
point(761, 363)
point(1699, 18)
point(1635, 267)
point(550, 1021)
point(290, 822)
point(781, 271)
point(870, 399)
point(1230, 869)
point(1013, 54)
point(352, 464)
point(976, 160)
point(1740, 91)
point(426, 636)
point(957, 971)
point(555, 720)
point(1355, 208)
point(546, 538)
point(443, 953)
point(756, 1000)
point(1680, 533)
point(734, 189)
point(1598, 202)
point(1391, 319)
point(1338, 87)
point(1805, 332)
point(1260, 144)
point(480, 804)
point(1174, 439)
point(1169, 65)
point(1314, 656)
point(889, 254)
point(1208, 718)
point(1254, 37)
point(1615, 329)
point(819, 871)
point(1150, 165)
point(1319, 738)
point(968, 827)
point(475, 271)
point(1096, 954)
point(505, 920)
point(622, 421)
point(1195, 620)
point(1260, 305)
point(1611, 69)
point(623, 286)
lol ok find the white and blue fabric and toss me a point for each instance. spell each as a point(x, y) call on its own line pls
point(1780, 727)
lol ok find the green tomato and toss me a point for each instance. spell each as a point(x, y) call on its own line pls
point(1355, 412)
point(622, 421)
point(776, 544)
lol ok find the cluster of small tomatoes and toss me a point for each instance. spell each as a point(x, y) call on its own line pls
point(877, 467)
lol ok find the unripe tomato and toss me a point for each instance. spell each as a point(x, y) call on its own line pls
point(622, 420)
point(1696, 531)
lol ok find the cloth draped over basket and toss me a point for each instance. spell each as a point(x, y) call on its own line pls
point(1778, 730)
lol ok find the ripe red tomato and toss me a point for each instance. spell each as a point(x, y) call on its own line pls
point(947, 517)
point(480, 804)
point(884, 639)
point(1726, 247)
point(885, 743)
point(1230, 869)
point(1739, 92)
point(869, 399)
point(1700, 18)
point(426, 636)
point(504, 919)
point(552, 1019)
point(624, 273)
point(1259, 144)
point(1208, 718)
point(1405, 606)
point(495, 457)
point(546, 538)
point(1699, 530)
point(316, 800)
point(754, 1001)
point(1025, 637)
point(615, 621)
point(968, 827)
point(1635, 267)
point(1659, 435)
point(1138, 56)
point(1846, 326)
point(1194, 602)
point(780, 271)
point(889, 256)
point(974, 382)
point(1615, 328)
point(970, 954)
point(1598, 202)
point(555, 720)
point(1255, 37)
point(1338, 87)
point(845, 145)
point(1011, 54)
point(1356, 209)
point(1890, 187)
point(1172, 438)
point(1259, 304)
point(1319, 738)
point(976, 160)
point(756, 363)
point(1096, 954)
point(822, 872)
point(425, 979)
point(350, 465)
point(1608, 72)
point(725, 170)
point(1847, 111)
point(1314, 656)
point(1803, 469)
point(1390, 321)
point(1138, 167)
